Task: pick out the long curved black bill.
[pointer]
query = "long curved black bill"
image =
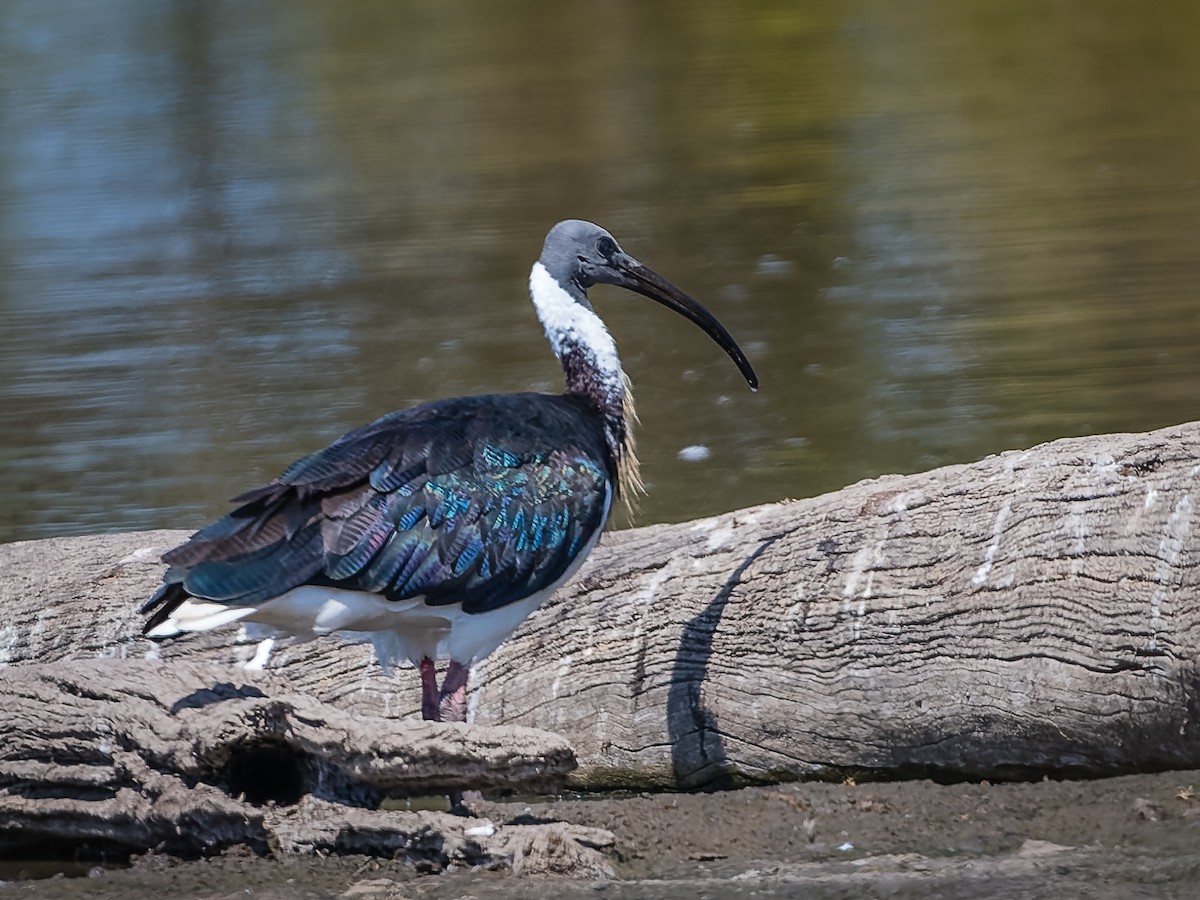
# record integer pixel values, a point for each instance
(650, 284)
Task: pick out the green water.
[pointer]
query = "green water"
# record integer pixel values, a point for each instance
(230, 231)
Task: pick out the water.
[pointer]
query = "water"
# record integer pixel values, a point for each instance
(229, 232)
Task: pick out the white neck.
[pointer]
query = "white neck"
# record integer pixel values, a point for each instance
(589, 359)
(572, 328)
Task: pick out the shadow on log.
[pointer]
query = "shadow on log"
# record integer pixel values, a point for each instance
(1033, 613)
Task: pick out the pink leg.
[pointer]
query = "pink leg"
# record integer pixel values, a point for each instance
(453, 697)
(430, 698)
(453, 708)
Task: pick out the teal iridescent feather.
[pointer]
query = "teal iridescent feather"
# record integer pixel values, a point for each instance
(476, 500)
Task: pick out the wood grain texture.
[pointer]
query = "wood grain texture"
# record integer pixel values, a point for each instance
(121, 756)
(1034, 612)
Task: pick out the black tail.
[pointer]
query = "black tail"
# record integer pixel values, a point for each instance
(166, 600)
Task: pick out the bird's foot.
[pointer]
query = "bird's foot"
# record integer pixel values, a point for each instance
(453, 707)
(452, 700)
(465, 803)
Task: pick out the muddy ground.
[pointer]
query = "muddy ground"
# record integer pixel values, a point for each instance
(1135, 836)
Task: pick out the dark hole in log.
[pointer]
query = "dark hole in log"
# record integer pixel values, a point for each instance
(266, 772)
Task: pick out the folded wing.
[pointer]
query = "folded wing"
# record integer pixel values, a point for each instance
(478, 500)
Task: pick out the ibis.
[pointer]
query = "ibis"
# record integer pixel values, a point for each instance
(436, 530)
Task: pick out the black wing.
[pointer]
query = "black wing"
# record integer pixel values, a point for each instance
(478, 500)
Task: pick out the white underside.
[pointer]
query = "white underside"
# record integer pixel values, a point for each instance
(400, 630)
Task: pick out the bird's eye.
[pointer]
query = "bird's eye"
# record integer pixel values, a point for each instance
(605, 246)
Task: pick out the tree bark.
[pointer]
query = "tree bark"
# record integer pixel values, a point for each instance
(134, 755)
(1032, 613)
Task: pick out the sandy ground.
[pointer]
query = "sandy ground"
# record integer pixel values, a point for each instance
(1136, 836)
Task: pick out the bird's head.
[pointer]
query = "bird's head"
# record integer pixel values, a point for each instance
(579, 254)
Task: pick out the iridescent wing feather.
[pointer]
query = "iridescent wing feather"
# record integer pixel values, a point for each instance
(478, 500)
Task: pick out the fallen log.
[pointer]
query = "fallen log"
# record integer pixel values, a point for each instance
(1032, 613)
(106, 756)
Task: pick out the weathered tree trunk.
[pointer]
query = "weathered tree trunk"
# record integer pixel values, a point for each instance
(132, 755)
(1033, 612)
